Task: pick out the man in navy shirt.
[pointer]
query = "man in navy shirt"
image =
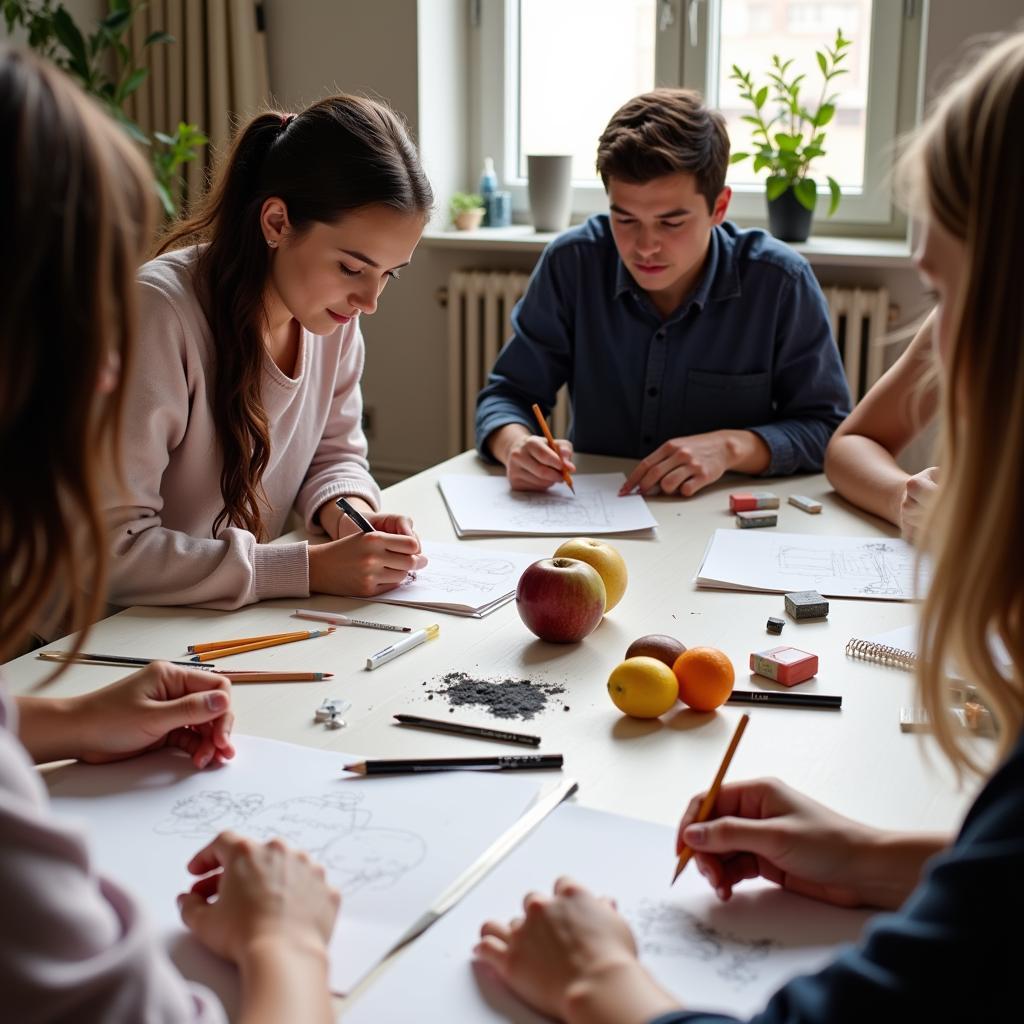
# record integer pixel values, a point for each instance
(685, 342)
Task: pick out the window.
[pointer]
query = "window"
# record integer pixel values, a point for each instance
(549, 74)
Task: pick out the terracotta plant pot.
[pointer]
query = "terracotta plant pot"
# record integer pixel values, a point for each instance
(468, 220)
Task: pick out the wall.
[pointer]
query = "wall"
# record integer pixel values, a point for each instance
(415, 54)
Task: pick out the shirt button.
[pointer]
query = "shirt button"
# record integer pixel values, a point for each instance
(652, 392)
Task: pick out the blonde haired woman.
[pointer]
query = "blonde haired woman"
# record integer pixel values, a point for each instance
(950, 948)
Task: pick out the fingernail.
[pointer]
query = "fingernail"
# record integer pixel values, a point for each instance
(696, 835)
(180, 899)
(205, 760)
(216, 700)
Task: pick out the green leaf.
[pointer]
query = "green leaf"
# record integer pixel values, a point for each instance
(806, 192)
(166, 201)
(134, 80)
(822, 63)
(812, 152)
(833, 187)
(117, 21)
(787, 143)
(776, 186)
(750, 119)
(71, 39)
(824, 115)
(158, 37)
(762, 95)
(737, 157)
(760, 163)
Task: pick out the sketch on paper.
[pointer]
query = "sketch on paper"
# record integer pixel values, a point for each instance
(584, 511)
(456, 573)
(871, 569)
(667, 930)
(332, 827)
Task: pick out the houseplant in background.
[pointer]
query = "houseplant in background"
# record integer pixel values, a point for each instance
(101, 62)
(467, 209)
(789, 136)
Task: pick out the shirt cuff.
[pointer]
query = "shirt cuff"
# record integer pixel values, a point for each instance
(345, 487)
(783, 461)
(495, 421)
(281, 570)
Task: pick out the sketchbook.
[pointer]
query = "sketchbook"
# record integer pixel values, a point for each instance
(461, 580)
(390, 845)
(485, 505)
(724, 957)
(881, 568)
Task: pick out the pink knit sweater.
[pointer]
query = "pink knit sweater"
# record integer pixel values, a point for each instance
(163, 548)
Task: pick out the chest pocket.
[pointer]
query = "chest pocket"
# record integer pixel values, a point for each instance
(719, 401)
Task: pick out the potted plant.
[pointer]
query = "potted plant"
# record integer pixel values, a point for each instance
(467, 210)
(791, 138)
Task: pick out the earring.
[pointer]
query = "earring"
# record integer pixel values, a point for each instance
(272, 243)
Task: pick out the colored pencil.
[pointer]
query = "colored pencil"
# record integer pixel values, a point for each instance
(774, 698)
(120, 660)
(224, 652)
(397, 766)
(218, 645)
(712, 794)
(274, 677)
(543, 423)
(462, 729)
(346, 620)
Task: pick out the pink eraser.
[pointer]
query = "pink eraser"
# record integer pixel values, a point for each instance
(786, 665)
(749, 501)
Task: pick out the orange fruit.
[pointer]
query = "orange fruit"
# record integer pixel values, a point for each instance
(643, 687)
(705, 677)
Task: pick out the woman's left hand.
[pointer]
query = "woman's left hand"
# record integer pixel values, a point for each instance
(162, 706)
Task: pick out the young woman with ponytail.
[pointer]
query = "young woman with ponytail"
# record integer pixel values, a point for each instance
(245, 400)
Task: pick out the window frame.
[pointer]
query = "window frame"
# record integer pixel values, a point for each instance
(683, 57)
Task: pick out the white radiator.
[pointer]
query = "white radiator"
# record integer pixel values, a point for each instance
(479, 323)
(860, 325)
(480, 307)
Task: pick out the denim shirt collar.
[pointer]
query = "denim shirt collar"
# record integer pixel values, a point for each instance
(721, 279)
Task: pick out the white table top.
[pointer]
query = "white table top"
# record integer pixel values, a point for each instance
(856, 760)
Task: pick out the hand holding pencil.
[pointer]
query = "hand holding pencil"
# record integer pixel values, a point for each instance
(533, 462)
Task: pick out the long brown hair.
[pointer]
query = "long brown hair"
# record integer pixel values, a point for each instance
(967, 163)
(342, 153)
(77, 204)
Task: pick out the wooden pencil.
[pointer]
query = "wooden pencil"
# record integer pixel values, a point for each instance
(274, 677)
(224, 652)
(218, 645)
(543, 424)
(712, 794)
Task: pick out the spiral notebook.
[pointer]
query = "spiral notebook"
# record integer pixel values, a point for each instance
(896, 648)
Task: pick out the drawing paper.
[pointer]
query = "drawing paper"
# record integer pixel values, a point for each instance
(391, 845)
(481, 505)
(461, 580)
(881, 568)
(727, 957)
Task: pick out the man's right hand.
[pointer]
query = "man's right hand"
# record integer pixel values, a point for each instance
(529, 463)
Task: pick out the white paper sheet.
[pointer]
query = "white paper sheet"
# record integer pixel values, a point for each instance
(391, 845)
(728, 957)
(462, 580)
(482, 505)
(881, 568)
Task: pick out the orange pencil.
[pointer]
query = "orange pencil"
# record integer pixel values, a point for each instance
(259, 645)
(218, 645)
(712, 794)
(554, 447)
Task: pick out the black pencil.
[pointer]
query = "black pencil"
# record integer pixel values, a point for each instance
(397, 766)
(483, 731)
(360, 520)
(776, 699)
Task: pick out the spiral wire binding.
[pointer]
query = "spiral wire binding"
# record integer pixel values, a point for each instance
(881, 654)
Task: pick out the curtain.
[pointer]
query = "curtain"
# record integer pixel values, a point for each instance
(215, 74)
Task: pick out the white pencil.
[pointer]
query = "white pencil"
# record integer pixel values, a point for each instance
(337, 619)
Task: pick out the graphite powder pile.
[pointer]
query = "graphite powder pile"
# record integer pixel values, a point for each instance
(504, 698)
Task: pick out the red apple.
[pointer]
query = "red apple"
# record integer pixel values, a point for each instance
(561, 599)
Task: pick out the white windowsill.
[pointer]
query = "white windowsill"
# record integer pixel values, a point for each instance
(821, 250)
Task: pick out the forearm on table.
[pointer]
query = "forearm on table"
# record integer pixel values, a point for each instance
(48, 728)
(617, 993)
(746, 452)
(891, 864)
(866, 474)
(283, 982)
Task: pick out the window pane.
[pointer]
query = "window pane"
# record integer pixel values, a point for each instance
(579, 61)
(753, 30)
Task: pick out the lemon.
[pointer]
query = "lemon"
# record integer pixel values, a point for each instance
(643, 687)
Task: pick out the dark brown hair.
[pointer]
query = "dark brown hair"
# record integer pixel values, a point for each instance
(342, 153)
(666, 131)
(76, 201)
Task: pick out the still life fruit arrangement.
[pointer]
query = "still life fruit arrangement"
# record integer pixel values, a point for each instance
(563, 599)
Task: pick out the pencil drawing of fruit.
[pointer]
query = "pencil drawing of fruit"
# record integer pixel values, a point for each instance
(561, 600)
